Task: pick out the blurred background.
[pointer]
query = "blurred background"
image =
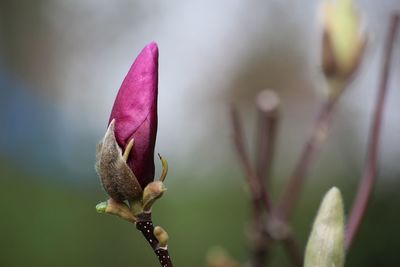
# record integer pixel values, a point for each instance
(61, 64)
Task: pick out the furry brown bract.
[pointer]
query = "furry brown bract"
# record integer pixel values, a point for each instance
(117, 178)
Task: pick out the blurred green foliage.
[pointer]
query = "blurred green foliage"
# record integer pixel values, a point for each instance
(54, 223)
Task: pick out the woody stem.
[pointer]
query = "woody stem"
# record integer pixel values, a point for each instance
(145, 225)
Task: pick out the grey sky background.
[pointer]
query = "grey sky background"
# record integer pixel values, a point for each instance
(71, 56)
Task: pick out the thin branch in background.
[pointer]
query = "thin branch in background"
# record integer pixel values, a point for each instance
(257, 254)
(370, 171)
(291, 194)
(261, 205)
(259, 195)
(267, 103)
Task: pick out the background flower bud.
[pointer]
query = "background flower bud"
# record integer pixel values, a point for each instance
(343, 40)
(325, 246)
(135, 113)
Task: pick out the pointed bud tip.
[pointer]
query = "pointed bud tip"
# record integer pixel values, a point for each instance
(153, 49)
(153, 46)
(334, 193)
(325, 246)
(332, 201)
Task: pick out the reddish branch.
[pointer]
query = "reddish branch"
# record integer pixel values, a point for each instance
(261, 203)
(371, 166)
(259, 194)
(291, 194)
(268, 113)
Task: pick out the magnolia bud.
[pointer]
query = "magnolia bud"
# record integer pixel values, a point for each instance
(343, 41)
(135, 113)
(325, 247)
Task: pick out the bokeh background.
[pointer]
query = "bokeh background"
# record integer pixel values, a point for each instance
(61, 64)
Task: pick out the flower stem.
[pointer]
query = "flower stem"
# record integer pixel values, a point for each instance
(370, 170)
(291, 194)
(145, 225)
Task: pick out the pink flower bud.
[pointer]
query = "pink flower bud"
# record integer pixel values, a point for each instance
(135, 113)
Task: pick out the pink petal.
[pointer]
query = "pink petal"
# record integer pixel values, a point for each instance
(135, 113)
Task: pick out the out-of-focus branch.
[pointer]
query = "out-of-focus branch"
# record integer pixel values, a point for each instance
(343, 45)
(267, 103)
(370, 171)
(261, 235)
(259, 194)
(291, 194)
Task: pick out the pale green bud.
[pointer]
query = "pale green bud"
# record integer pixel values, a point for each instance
(101, 207)
(325, 247)
(343, 41)
(116, 208)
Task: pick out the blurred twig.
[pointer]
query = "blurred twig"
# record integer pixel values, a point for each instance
(289, 197)
(256, 194)
(370, 170)
(267, 103)
(259, 193)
